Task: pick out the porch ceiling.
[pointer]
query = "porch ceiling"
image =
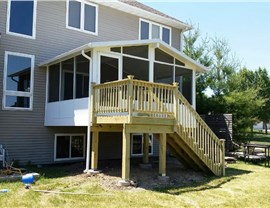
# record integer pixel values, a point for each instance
(190, 63)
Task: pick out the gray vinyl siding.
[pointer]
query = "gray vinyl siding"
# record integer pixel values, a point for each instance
(23, 132)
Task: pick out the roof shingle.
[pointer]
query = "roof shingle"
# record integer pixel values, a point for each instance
(149, 9)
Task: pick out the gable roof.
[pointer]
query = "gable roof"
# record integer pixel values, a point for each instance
(189, 62)
(144, 11)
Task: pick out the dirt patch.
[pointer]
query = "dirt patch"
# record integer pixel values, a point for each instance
(179, 175)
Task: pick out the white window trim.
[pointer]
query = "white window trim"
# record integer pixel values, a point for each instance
(81, 29)
(18, 93)
(111, 55)
(34, 22)
(160, 30)
(132, 154)
(70, 137)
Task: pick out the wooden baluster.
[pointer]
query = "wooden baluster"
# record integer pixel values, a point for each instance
(175, 102)
(130, 98)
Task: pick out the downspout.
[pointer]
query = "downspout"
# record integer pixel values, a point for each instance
(89, 115)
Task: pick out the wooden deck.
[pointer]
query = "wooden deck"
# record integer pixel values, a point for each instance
(134, 106)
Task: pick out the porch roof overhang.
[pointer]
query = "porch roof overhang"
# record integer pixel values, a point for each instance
(189, 62)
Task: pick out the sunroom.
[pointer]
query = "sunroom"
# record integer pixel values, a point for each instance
(71, 75)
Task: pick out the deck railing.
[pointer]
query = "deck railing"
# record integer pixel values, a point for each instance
(131, 98)
(199, 137)
(134, 98)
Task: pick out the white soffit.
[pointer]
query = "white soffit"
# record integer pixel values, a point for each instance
(190, 63)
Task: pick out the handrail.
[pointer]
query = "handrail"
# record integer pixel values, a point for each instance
(199, 136)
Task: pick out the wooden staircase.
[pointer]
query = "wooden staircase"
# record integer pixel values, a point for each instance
(159, 108)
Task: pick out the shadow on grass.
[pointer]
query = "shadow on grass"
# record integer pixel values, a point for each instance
(58, 170)
(209, 182)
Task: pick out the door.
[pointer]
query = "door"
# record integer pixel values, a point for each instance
(110, 68)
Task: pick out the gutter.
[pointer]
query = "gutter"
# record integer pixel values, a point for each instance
(89, 115)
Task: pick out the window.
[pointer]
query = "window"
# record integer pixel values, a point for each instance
(69, 79)
(69, 147)
(21, 19)
(18, 81)
(82, 16)
(150, 30)
(137, 144)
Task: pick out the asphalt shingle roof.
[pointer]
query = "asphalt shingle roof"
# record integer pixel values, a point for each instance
(149, 9)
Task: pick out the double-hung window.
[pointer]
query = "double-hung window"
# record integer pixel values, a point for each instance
(18, 81)
(69, 147)
(82, 16)
(21, 18)
(151, 30)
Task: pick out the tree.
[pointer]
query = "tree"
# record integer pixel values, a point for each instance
(263, 82)
(224, 65)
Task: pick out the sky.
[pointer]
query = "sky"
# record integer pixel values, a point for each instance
(244, 24)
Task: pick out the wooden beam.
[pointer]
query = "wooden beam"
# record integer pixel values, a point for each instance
(94, 156)
(145, 148)
(126, 155)
(155, 129)
(107, 128)
(162, 154)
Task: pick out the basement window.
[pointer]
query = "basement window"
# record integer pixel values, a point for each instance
(69, 147)
(137, 145)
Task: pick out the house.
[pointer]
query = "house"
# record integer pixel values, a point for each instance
(66, 95)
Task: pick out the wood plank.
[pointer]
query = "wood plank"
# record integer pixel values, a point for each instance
(145, 148)
(162, 154)
(94, 155)
(126, 155)
(107, 128)
(112, 119)
(155, 129)
(149, 120)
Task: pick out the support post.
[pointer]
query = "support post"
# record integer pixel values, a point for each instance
(222, 141)
(194, 89)
(162, 154)
(145, 148)
(94, 156)
(126, 155)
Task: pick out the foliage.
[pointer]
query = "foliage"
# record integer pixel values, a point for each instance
(244, 93)
(263, 82)
(243, 105)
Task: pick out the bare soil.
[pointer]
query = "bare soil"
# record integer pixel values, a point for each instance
(146, 178)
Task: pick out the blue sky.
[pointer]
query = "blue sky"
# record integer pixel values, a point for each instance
(245, 25)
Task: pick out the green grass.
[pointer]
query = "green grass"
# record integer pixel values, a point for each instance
(245, 185)
(260, 138)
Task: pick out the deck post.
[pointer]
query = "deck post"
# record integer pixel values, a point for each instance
(92, 104)
(126, 155)
(162, 154)
(130, 97)
(145, 148)
(94, 156)
(175, 100)
(222, 151)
